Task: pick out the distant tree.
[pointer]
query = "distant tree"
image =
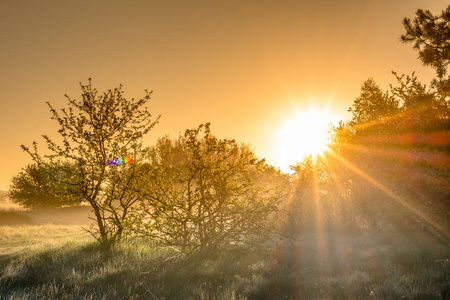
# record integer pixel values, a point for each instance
(95, 129)
(410, 92)
(203, 192)
(35, 187)
(328, 194)
(398, 150)
(372, 104)
(421, 108)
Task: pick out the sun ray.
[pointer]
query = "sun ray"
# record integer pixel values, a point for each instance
(318, 216)
(391, 194)
(415, 157)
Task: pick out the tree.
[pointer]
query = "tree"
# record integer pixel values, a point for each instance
(204, 193)
(35, 187)
(95, 129)
(328, 195)
(410, 92)
(391, 158)
(431, 37)
(399, 158)
(421, 109)
(372, 104)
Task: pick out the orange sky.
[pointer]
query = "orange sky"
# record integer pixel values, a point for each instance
(242, 65)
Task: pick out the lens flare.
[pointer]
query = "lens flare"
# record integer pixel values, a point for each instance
(119, 161)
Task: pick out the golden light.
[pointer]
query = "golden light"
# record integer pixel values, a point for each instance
(304, 133)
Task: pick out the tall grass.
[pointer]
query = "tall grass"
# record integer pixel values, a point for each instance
(326, 265)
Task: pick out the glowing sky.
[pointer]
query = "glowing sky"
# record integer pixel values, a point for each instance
(242, 65)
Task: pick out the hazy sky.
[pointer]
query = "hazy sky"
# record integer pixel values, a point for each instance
(242, 65)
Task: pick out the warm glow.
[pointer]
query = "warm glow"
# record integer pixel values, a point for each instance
(304, 133)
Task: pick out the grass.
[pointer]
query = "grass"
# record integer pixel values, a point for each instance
(16, 239)
(362, 266)
(23, 229)
(63, 262)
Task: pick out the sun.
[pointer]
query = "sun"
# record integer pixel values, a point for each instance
(304, 133)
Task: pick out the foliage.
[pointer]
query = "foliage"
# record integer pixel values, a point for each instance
(204, 192)
(93, 130)
(35, 187)
(386, 166)
(323, 193)
(401, 160)
(372, 104)
(431, 37)
(422, 109)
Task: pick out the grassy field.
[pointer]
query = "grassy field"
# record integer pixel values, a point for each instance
(64, 262)
(23, 229)
(50, 256)
(17, 239)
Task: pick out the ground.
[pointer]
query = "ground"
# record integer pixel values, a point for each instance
(62, 261)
